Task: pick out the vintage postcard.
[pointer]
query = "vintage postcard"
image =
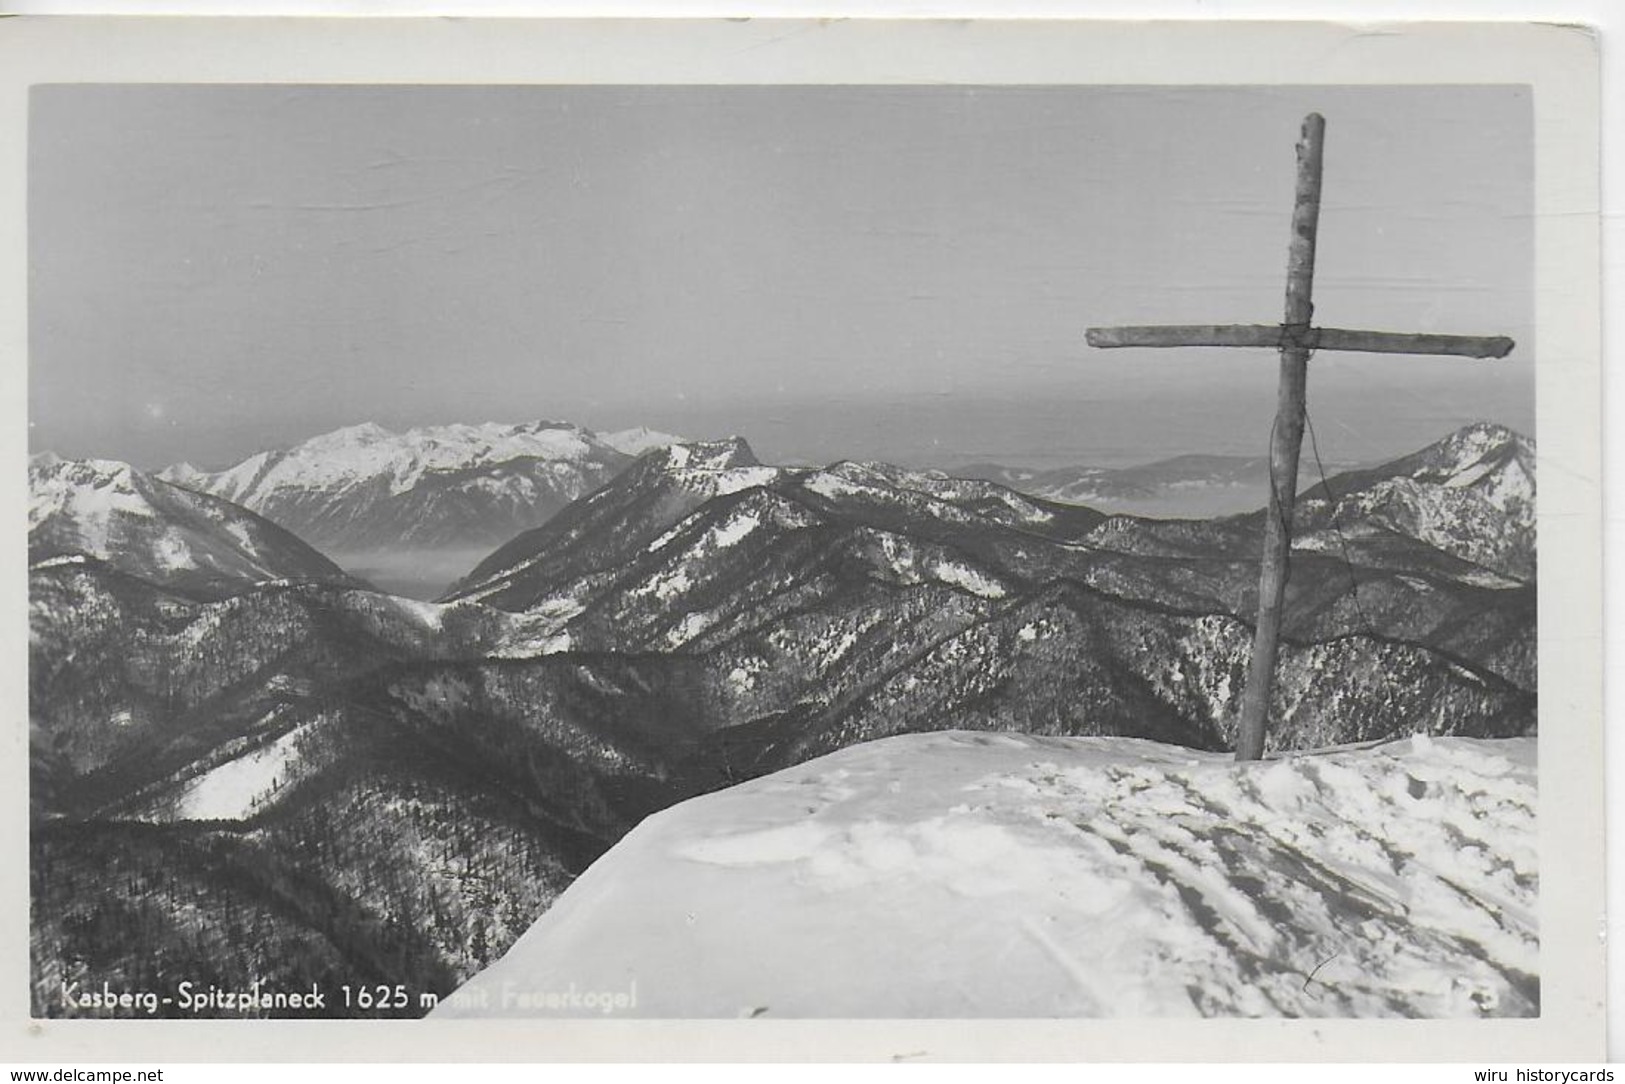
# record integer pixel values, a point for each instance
(1044, 540)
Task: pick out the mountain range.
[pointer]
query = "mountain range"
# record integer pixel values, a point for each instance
(285, 773)
(411, 510)
(859, 600)
(1189, 485)
(1184, 487)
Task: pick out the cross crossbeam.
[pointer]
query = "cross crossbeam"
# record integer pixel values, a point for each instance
(1279, 336)
(1296, 340)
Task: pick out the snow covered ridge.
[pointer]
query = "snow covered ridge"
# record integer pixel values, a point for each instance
(999, 875)
(359, 454)
(364, 489)
(89, 491)
(1471, 495)
(638, 440)
(165, 533)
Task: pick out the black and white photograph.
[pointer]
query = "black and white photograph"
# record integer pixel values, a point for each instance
(828, 550)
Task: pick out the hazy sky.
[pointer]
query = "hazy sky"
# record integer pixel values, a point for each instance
(895, 273)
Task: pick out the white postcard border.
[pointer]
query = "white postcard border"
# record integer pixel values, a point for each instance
(1560, 62)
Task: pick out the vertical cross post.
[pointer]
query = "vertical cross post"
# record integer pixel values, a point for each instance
(1286, 440)
(1296, 339)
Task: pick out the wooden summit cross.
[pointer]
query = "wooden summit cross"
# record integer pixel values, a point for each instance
(1296, 340)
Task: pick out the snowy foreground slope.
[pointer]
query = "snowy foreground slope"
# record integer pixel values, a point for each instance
(1000, 875)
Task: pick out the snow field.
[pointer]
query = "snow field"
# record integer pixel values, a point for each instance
(988, 875)
(235, 789)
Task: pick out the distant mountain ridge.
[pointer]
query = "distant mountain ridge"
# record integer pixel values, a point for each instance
(413, 509)
(1185, 486)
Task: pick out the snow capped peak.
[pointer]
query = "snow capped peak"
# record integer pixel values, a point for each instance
(86, 501)
(1494, 462)
(362, 431)
(1471, 444)
(179, 473)
(636, 441)
(934, 483)
(1490, 432)
(368, 454)
(1471, 495)
(710, 455)
(50, 475)
(368, 457)
(450, 489)
(868, 471)
(543, 424)
(959, 499)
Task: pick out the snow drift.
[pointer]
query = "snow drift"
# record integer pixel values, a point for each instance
(998, 875)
